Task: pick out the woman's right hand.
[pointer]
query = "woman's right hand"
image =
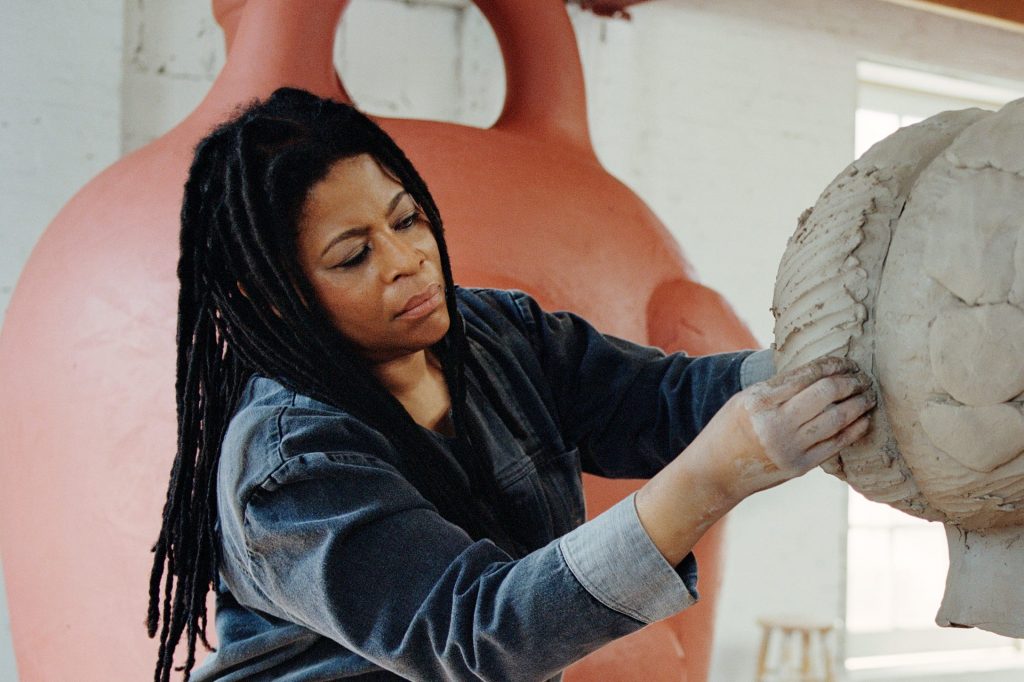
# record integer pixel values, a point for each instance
(768, 433)
(782, 428)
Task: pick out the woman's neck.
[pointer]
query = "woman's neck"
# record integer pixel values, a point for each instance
(417, 381)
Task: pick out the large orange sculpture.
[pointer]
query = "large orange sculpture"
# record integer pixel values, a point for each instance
(86, 355)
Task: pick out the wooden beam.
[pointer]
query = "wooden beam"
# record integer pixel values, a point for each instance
(1006, 14)
(1009, 10)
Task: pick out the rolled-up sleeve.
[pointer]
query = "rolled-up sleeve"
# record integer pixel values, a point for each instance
(618, 563)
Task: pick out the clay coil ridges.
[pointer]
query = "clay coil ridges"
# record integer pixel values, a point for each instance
(820, 296)
(827, 285)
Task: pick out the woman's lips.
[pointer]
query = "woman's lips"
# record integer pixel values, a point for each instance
(422, 304)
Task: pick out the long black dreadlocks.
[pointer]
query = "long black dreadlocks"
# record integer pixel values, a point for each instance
(243, 197)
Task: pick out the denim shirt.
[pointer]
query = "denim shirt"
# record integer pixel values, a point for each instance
(333, 565)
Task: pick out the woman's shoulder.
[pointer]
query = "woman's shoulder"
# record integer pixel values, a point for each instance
(276, 430)
(494, 310)
(477, 298)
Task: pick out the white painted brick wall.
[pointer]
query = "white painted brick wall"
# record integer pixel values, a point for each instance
(726, 116)
(396, 59)
(172, 53)
(60, 114)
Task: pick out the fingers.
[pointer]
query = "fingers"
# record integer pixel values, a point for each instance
(802, 417)
(813, 400)
(834, 418)
(827, 449)
(784, 386)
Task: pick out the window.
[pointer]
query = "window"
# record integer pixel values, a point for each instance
(896, 563)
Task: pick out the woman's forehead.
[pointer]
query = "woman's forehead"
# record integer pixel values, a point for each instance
(356, 188)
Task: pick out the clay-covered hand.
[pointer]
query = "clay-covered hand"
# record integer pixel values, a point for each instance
(768, 433)
(782, 428)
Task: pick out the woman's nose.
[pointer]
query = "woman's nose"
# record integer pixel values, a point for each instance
(398, 256)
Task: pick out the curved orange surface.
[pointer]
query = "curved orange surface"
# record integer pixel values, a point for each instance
(87, 350)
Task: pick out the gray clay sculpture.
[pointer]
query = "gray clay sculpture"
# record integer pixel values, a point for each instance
(912, 264)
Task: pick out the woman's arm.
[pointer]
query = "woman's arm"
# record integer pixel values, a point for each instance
(343, 545)
(630, 408)
(769, 433)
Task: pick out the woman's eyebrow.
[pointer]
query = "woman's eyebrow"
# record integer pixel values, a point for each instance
(395, 199)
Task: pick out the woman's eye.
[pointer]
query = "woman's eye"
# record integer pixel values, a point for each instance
(408, 221)
(355, 259)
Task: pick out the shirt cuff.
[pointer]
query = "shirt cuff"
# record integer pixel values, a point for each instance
(616, 561)
(757, 366)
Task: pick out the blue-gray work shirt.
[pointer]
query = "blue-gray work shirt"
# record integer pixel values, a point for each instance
(333, 565)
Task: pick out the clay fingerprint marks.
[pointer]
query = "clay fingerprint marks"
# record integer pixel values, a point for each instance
(975, 250)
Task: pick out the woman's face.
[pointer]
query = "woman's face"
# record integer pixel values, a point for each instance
(370, 256)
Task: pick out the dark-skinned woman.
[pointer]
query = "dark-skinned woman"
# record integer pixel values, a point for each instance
(378, 472)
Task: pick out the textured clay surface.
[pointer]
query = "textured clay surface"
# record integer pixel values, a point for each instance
(912, 264)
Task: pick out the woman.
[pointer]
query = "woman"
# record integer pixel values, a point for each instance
(379, 472)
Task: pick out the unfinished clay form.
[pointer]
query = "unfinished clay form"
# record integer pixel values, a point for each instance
(912, 264)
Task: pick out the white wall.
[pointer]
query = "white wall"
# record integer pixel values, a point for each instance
(60, 114)
(726, 116)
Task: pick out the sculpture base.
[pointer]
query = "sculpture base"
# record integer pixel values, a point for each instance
(984, 587)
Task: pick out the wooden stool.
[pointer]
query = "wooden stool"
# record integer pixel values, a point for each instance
(795, 650)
